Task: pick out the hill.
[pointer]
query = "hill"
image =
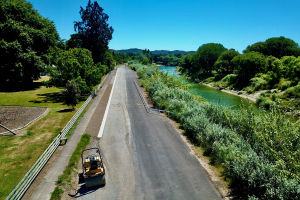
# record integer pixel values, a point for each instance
(164, 52)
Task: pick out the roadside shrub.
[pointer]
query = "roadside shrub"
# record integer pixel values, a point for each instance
(293, 91)
(258, 83)
(264, 102)
(229, 78)
(260, 152)
(284, 85)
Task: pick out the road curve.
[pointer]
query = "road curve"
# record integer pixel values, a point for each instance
(144, 156)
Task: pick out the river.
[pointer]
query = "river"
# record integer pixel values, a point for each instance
(213, 95)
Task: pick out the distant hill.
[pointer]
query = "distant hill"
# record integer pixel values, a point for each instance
(164, 52)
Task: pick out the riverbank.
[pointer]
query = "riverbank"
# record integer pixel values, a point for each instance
(251, 97)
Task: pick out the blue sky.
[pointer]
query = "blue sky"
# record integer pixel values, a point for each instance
(183, 24)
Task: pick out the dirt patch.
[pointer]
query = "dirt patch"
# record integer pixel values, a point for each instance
(18, 117)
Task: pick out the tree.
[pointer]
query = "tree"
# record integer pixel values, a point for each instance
(72, 94)
(145, 61)
(249, 64)
(224, 65)
(185, 64)
(274, 69)
(94, 30)
(76, 41)
(76, 64)
(205, 57)
(277, 47)
(25, 37)
(178, 55)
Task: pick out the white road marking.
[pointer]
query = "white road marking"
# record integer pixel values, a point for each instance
(106, 110)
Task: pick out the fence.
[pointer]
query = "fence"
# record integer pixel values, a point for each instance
(148, 109)
(24, 184)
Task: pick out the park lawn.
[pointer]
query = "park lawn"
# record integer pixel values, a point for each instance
(19, 153)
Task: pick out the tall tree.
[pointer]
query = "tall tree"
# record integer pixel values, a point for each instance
(249, 64)
(205, 57)
(224, 65)
(95, 33)
(25, 38)
(72, 94)
(277, 47)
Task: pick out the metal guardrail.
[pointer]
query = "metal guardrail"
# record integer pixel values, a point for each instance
(148, 109)
(24, 184)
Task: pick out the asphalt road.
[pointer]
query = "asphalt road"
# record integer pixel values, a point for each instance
(144, 156)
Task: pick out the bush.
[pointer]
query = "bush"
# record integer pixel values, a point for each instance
(76, 64)
(293, 91)
(285, 85)
(260, 153)
(258, 83)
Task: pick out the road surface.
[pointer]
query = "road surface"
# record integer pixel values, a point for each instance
(144, 156)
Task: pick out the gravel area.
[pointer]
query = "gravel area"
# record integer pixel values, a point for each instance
(16, 117)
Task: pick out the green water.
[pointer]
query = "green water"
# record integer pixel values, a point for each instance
(213, 95)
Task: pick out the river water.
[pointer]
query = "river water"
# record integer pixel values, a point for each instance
(213, 95)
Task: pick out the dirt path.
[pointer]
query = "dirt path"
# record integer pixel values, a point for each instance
(18, 117)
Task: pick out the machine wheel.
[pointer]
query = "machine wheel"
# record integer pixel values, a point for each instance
(95, 181)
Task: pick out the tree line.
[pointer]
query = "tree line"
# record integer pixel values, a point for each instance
(272, 64)
(30, 46)
(146, 57)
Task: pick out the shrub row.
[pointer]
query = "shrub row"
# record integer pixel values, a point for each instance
(259, 152)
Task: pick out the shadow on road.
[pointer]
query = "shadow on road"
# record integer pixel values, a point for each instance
(84, 191)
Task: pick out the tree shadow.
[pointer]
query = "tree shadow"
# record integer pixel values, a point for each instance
(53, 97)
(10, 87)
(66, 110)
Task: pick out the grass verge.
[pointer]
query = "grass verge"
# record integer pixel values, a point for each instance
(18, 154)
(66, 177)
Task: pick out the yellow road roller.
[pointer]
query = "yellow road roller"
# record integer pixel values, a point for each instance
(93, 168)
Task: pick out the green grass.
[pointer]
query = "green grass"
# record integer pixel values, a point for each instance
(65, 178)
(56, 194)
(18, 154)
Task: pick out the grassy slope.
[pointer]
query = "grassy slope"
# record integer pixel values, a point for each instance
(18, 154)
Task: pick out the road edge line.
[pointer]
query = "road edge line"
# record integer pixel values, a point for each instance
(107, 108)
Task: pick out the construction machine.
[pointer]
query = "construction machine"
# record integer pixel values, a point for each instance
(93, 168)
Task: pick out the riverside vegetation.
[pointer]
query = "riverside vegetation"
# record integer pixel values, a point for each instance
(259, 152)
(272, 67)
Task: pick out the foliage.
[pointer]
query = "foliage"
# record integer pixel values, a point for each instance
(72, 93)
(76, 64)
(94, 31)
(228, 80)
(121, 57)
(259, 152)
(205, 57)
(25, 37)
(293, 91)
(145, 61)
(185, 64)
(249, 64)
(292, 68)
(258, 83)
(224, 65)
(284, 84)
(56, 194)
(277, 47)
